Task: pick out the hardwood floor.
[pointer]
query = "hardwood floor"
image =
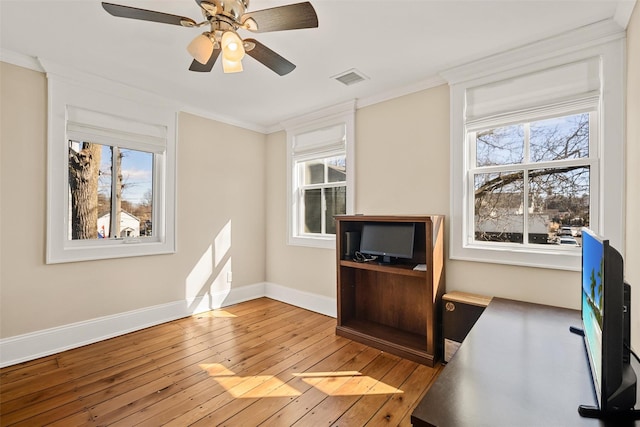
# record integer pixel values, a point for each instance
(261, 362)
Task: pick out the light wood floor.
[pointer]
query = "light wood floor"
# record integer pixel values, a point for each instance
(261, 362)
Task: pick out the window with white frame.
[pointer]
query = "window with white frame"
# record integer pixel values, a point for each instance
(322, 192)
(531, 181)
(111, 176)
(320, 175)
(536, 155)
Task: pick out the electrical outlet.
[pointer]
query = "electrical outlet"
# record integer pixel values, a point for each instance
(229, 277)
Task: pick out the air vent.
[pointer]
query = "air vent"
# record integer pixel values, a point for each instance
(350, 77)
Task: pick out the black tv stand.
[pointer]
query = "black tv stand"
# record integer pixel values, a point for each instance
(576, 330)
(620, 415)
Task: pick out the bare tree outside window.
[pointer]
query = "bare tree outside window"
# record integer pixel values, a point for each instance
(111, 191)
(84, 168)
(532, 179)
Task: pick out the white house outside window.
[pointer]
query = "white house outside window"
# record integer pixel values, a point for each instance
(111, 172)
(110, 191)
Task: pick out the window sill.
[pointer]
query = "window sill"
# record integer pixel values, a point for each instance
(556, 258)
(328, 242)
(120, 248)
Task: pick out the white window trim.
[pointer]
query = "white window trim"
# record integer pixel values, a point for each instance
(608, 45)
(68, 89)
(339, 114)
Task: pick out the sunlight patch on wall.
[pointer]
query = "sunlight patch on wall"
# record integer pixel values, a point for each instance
(208, 284)
(200, 274)
(220, 283)
(222, 243)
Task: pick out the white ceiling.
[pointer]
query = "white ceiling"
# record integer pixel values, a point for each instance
(401, 45)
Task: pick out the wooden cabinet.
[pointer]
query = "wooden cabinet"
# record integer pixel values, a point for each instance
(392, 306)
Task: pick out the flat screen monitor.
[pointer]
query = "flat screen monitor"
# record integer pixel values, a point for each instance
(388, 240)
(605, 308)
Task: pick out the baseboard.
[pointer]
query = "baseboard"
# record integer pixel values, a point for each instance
(42, 343)
(313, 302)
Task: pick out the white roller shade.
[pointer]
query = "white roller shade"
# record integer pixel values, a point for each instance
(577, 82)
(87, 125)
(318, 141)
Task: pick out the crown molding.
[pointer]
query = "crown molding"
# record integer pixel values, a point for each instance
(189, 109)
(312, 118)
(21, 60)
(552, 47)
(623, 12)
(425, 84)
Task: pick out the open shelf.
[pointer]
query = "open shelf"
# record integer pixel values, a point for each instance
(403, 269)
(392, 306)
(409, 345)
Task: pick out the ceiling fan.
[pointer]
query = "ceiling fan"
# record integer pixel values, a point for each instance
(225, 18)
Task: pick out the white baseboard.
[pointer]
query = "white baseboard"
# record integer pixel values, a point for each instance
(42, 343)
(314, 302)
(50, 341)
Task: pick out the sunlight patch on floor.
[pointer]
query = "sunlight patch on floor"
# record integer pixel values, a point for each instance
(220, 313)
(336, 383)
(327, 374)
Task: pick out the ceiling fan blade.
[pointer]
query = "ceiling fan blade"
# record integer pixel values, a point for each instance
(147, 15)
(269, 58)
(291, 17)
(205, 68)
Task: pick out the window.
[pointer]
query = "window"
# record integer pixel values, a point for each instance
(111, 175)
(322, 193)
(110, 192)
(537, 153)
(531, 180)
(320, 161)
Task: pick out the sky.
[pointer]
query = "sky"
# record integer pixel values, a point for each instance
(137, 173)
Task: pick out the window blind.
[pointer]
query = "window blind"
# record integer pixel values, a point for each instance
(321, 141)
(87, 125)
(575, 83)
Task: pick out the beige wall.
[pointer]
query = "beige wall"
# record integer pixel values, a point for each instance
(220, 182)
(632, 252)
(228, 178)
(301, 268)
(402, 167)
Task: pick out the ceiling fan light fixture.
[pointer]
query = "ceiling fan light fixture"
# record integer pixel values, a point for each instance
(231, 66)
(201, 48)
(232, 46)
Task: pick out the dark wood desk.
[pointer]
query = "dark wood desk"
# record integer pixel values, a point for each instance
(519, 366)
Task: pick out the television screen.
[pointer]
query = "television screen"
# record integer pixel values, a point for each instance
(389, 240)
(606, 307)
(593, 303)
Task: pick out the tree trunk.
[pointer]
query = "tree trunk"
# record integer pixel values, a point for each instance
(116, 192)
(84, 167)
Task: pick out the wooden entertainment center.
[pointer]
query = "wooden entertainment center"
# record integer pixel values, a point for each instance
(393, 307)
